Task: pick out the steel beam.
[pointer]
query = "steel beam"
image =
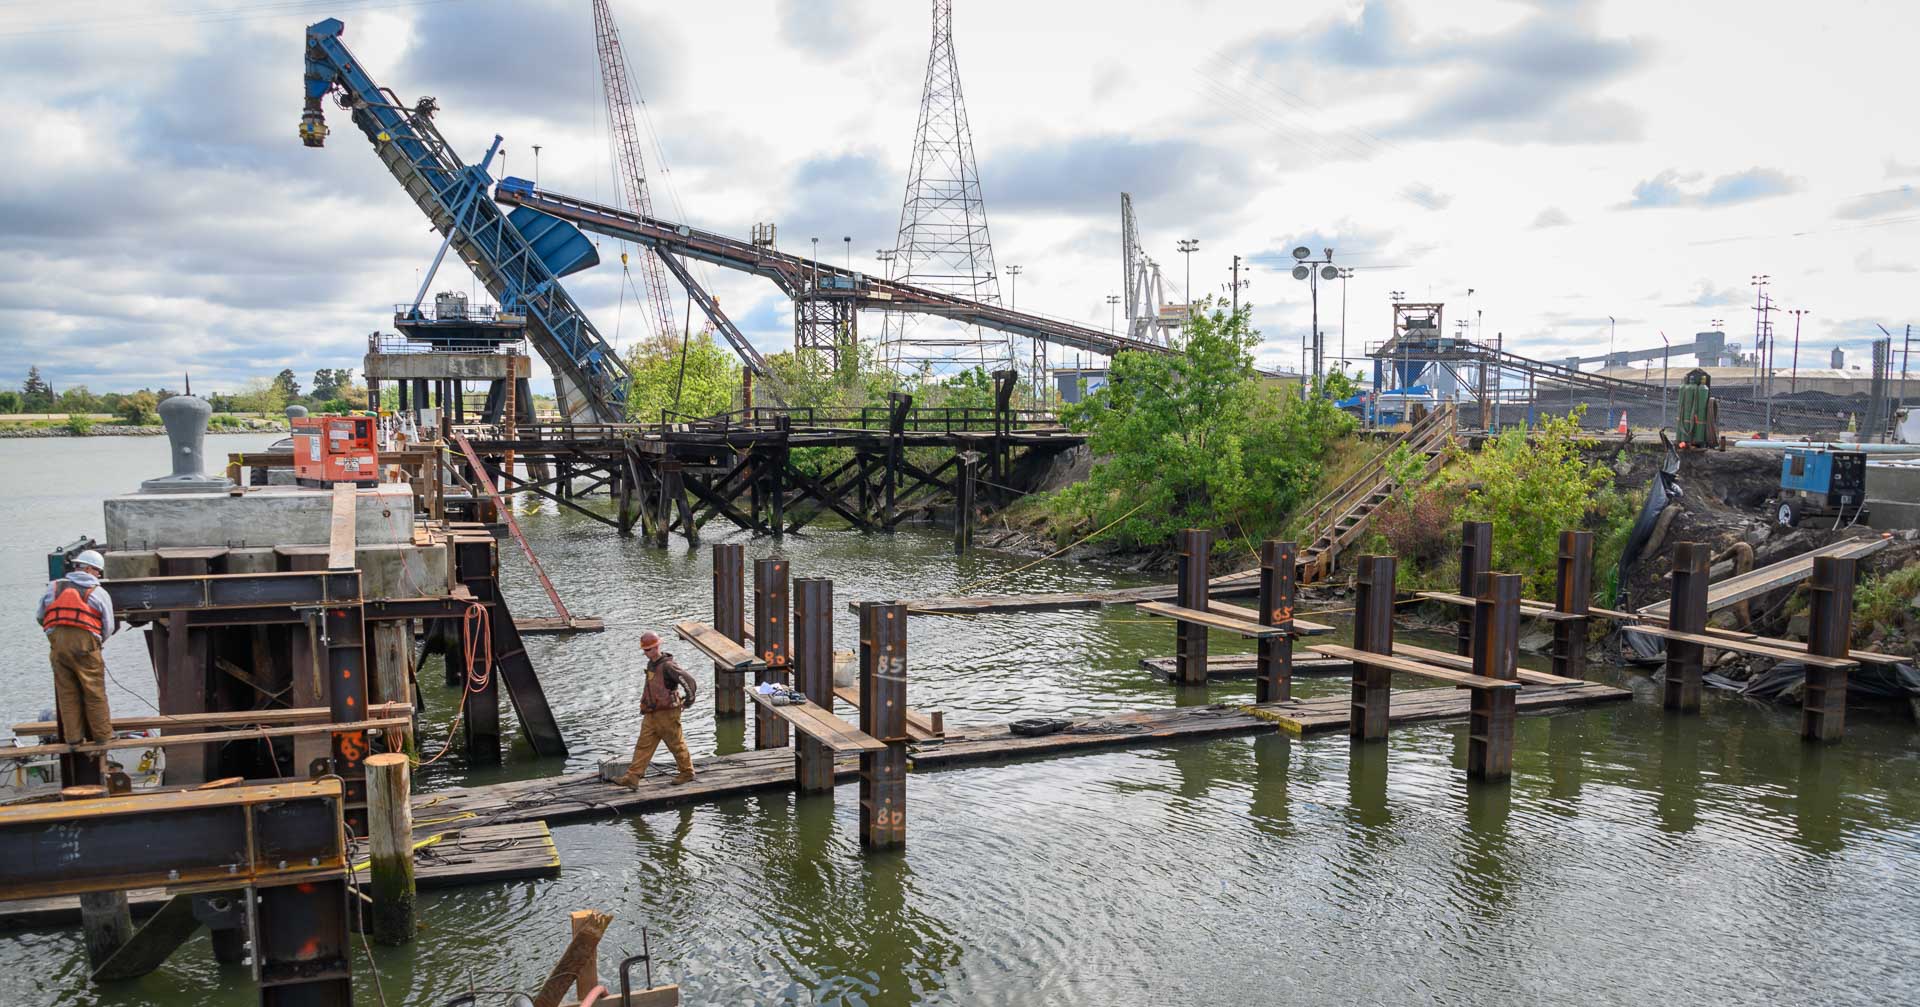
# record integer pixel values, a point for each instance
(813, 675)
(883, 714)
(1687, 613)
(1496, 635)
(1194, 546)
(1572, 594)
(1476, 558)
(1372, 632)
(729, 620)
(1279, 573)
(1823, 708)
(770, 642)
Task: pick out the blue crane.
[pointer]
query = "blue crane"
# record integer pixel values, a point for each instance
(519, 256)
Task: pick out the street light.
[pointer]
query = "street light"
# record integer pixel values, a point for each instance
(1793, 380)
(849, 241)
(1313, 271)
(1346, 273)
(1014, 271)
(1188, 246)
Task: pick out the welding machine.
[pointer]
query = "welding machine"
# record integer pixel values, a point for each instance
(335, 449)
(1815, 482)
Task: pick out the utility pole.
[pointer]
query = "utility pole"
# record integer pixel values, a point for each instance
(1793, 378)
(1346, 273)
(849, 240)
(536, 165)
(1014, 291)
(1609, 366)
(1113, 314)
(1760, 281)
(1236, 284)
(1666, 351)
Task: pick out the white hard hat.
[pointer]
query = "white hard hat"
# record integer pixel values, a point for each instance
(87, 557)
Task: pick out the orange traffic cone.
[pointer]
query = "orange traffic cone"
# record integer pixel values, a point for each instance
(1623, 422)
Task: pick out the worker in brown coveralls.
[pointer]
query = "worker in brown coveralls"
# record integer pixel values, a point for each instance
(77, 615)
(660, 706)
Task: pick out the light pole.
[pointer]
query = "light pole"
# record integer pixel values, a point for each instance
(816, 263)
(1314, 270)
(536, 164)
(1113, 314)
(1609, 366)
(1760, 282)
(1666, 351)
(849, 240)
(1014, 272)
(1188, 246)
(1237, 285)
(1346, 273)
(886, 257)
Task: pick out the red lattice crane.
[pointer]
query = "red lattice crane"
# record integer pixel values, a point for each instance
(625, 136)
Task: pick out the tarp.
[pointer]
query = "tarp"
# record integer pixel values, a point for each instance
(1783, 682)
(1664, 491)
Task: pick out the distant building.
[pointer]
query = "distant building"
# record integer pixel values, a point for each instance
(1839, 359)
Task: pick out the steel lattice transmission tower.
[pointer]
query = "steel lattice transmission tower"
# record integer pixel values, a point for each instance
(943, 241)
(625, 137)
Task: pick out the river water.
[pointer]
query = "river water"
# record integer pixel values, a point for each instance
(1635, 856)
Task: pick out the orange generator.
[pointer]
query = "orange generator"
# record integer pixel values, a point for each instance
(335, 449)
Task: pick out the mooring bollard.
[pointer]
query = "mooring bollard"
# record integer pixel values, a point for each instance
(104, 917)
(390, 843)
(1278, 575)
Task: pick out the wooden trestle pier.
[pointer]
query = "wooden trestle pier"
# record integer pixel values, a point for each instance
(755, 468)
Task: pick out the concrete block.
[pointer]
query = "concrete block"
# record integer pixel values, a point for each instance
(406, 571)
(262, 517)
(1887, 515)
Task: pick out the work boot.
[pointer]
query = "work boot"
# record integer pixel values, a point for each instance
(627, 780)
(682, 778)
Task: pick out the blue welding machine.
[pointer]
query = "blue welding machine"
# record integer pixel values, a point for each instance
(1818, 482)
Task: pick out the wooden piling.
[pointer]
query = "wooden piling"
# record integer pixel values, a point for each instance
(813, 675)
(729, 619)
(1823, 701)
(883, 714)
(1491, 713)
(1476, 558)
(1195, 546)
(1372, 632)
(1279, 572)
(105, 920)
(583, 952)
(770, 613)
(1687, 613)
(390, 844)
(1572, 594)
(963, 486)
(588, 973)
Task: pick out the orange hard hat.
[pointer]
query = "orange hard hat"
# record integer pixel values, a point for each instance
(649, 639)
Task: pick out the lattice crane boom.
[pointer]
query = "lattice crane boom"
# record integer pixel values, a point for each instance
(625, 136)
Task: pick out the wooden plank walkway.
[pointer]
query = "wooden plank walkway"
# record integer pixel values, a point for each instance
(1755, 583)
(1223, 586)
(474, 855)
(1245, 665)
(584, 796)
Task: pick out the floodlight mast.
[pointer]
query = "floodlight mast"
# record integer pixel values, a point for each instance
(1313, 360)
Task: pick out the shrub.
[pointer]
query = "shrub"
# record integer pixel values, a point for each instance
(1532, 489)
(79, 424)
(139, 408)
(1886, 600)
(1418, 526)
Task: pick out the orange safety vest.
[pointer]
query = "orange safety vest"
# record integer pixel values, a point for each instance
(70, 608)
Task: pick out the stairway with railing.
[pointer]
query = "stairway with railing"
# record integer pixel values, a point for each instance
(1342, 515)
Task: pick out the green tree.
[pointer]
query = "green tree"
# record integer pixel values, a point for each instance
(288, 385)
(702, 387)
(36, 395)
(1197, 439)
(1532, 489)
(138, 408)
(78, 400)
(10, 401)
(331, 383)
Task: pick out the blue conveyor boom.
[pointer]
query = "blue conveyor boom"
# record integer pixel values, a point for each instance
(588, 373)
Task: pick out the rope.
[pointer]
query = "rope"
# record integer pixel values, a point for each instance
(476, 642)
(1055, 554)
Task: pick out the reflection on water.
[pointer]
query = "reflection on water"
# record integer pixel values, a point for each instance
(1634, 855)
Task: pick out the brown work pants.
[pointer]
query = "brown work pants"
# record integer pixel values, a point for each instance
(656, 727)
(79, 685)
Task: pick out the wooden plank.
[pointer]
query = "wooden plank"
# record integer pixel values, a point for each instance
(1210, 620)
(1800, 646)
(809, 719)
(548, 624)
(1421, 705)
(657, 996)
(1773, 576)
(1420, 668)
(210, 737)
(919, 725)
(1529, 608)
(228, 718)
(714, 644)
(1461, 662)
(340, 537)
(1224, 666)
(1745, 647)
(1301, 627)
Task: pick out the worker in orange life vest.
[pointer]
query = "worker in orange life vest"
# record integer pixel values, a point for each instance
(77, 615)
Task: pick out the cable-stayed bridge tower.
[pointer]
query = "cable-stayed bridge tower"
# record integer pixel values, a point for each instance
(943, 242)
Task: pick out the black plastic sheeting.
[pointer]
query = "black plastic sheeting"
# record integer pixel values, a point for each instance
(1783, 682)
(1664, 492)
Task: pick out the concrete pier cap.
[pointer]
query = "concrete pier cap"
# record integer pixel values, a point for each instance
(186, 419)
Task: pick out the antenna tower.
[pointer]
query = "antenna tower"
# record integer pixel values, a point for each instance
(943, 242)
(625, 137)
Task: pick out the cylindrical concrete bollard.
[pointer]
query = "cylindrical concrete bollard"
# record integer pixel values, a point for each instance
(390, 841)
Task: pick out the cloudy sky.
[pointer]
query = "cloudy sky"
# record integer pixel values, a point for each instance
(1566, 161)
